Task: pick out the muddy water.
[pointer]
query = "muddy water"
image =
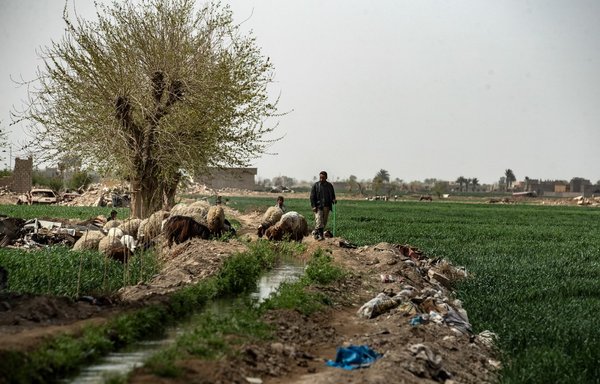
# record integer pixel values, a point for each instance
(121, 363)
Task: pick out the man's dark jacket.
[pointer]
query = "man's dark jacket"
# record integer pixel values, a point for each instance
(322, 195)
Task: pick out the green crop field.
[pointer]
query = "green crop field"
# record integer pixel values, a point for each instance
(535, 273)
(535, 270)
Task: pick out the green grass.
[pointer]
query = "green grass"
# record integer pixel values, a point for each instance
(59, 212)
(535, 273)
(61, 271)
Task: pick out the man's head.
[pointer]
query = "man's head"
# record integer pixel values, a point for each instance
(280, 200)
(113, 214)
(322, 176)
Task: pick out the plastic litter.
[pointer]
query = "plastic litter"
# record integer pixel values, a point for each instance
(378, 305)
(353, 357)
(419, 319)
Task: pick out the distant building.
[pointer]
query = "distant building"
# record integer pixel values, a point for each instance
(579, 184)
(219, 178)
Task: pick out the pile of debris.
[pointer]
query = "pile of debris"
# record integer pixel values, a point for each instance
(100, 195)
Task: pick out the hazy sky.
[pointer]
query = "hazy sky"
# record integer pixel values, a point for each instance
(421, 88)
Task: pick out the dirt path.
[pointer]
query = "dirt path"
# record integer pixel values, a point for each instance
(428, 352)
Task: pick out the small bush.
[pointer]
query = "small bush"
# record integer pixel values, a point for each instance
(320, 269)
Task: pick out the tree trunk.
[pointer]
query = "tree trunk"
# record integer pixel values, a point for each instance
(146, 197)
(169, 189)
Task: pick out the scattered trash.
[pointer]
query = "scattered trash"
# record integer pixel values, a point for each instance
(353, 357)
(458, 319)
(346, 244)
(387, 278)
(427, 363)
(419, 319)
(378, 305)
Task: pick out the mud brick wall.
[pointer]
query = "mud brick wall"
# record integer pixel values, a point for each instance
(22, 175)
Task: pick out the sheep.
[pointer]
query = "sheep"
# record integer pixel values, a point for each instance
(108, 242)
(291, 224)
(88, 241)
(215, 220)
(152, 226)
(181, 228)
(115, 232)
(425, 197)
(111, 224)
(130, 227)
(118, 252)
(129, 242)
(198, 211)
(270, 217)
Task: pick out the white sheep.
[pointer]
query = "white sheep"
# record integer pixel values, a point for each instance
(115, 232)
(129, 242)
(270, 217)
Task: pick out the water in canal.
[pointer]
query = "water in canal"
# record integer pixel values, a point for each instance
(123, 362)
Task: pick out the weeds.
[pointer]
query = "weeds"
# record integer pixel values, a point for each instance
(60, 271)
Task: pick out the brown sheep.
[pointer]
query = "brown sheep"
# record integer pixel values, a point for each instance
(182, 228)
(292, 225)
(271, 216)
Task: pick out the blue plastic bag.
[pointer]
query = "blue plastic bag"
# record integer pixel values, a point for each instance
(353, 357)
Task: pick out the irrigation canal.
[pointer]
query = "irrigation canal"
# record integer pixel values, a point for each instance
(123, 362)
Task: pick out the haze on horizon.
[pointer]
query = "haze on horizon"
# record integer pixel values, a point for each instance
(422, 89)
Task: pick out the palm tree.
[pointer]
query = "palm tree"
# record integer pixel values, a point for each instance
(461, 180)
(474, 182)
(510, 178)
(380, 178)
(383, 175)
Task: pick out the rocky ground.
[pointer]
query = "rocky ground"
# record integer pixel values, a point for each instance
(435, 348)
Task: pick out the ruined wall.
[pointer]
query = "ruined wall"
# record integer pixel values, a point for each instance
(242, 178)
(22, 175)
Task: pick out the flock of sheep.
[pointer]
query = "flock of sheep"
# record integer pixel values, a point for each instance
(119, 239)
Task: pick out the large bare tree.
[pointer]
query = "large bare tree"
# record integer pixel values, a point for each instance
(151, 88)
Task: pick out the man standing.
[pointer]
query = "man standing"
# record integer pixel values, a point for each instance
(322, 198)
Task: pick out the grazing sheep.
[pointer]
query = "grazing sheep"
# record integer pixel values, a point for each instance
(270, 217)
(291, 224)
(152, 226)
(108, 242)
(181, 228)
(88, 241)
(426, 198)
(215, 220)
(131, 227)
(118, 252)
(129, 242)
(197, 211)
(115, 232)
(111, 224)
